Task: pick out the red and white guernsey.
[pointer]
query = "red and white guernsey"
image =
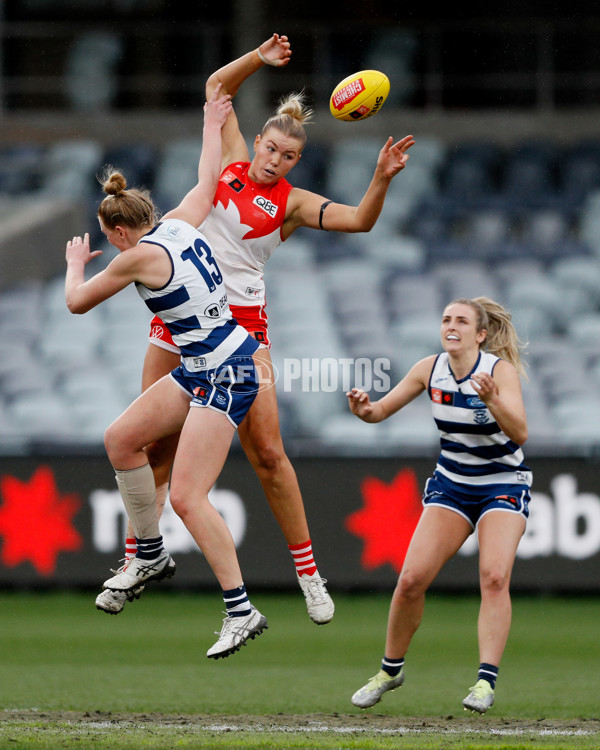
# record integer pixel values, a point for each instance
(244, 228)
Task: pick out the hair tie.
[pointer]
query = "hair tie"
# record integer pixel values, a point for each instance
(262, 58)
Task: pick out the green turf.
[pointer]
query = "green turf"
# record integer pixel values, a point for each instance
(58, 653)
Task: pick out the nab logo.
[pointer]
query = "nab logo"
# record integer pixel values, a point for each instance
(266, 205)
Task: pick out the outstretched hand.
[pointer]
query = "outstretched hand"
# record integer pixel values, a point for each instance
(359, 403)
(393, 156)
(275, 51)
(79, 249)
(218, 107)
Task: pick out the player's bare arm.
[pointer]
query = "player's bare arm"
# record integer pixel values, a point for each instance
(304, 207)
(413, 384)
(276, 51)
(502, 395)
(145, 263)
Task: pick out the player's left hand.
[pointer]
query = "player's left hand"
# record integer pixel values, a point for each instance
(79, 249)
(485, 386)
(393, 156)
(276, 50)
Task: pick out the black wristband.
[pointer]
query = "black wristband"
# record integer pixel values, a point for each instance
(323, 207)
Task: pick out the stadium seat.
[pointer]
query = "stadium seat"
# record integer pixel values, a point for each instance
(176, 171)
(465, 278)
(579, 273)
(69, 168)
(410, 294)
(20, 168)
(137, 161)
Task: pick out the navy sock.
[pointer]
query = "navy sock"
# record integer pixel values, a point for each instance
(149, 549)
(237, 602)
(488, 672)
(392, 666)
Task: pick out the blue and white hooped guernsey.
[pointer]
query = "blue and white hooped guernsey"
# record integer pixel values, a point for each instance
(193, 303)
(474, 450)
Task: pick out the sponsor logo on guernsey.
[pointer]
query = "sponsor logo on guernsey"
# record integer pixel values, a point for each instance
(221, 399)
(233, 181)
(156, 332)
(200, 392)
(506, 500)
(476, 401)
(348, 93)
(212, 311)
(252, 292)
(442, 397)
(266, 205)
(173, 231)
(199, 362)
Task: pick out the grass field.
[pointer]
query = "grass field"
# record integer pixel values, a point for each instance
(71, 676)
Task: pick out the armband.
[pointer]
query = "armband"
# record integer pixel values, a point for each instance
(323, 207)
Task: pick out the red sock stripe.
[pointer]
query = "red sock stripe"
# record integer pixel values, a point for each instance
(130, 547)
(303, 558)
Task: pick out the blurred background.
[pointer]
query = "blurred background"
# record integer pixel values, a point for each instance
(501, 197)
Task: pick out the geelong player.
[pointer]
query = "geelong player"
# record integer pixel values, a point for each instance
(480, 482)
(255, 209)
(205, 397)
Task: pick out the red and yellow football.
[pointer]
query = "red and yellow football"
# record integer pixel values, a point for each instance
(359, 96)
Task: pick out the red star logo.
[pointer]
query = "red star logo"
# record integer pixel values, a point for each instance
(36, 522)
(387, 520)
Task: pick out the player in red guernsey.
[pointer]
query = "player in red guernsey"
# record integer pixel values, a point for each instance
(254, 210)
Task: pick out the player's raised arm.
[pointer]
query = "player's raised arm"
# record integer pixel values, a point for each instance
(276, 52)
(197, 203)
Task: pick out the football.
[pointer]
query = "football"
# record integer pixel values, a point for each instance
(359, 96)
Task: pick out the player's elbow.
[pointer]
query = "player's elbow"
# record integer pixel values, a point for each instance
(77, 307)
(520, 435)
(211, 84)
(360, 224)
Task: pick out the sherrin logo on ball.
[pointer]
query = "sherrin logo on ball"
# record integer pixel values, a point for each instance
(359, 96)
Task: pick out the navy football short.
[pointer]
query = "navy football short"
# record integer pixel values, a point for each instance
(475, 502)
(230, 388)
